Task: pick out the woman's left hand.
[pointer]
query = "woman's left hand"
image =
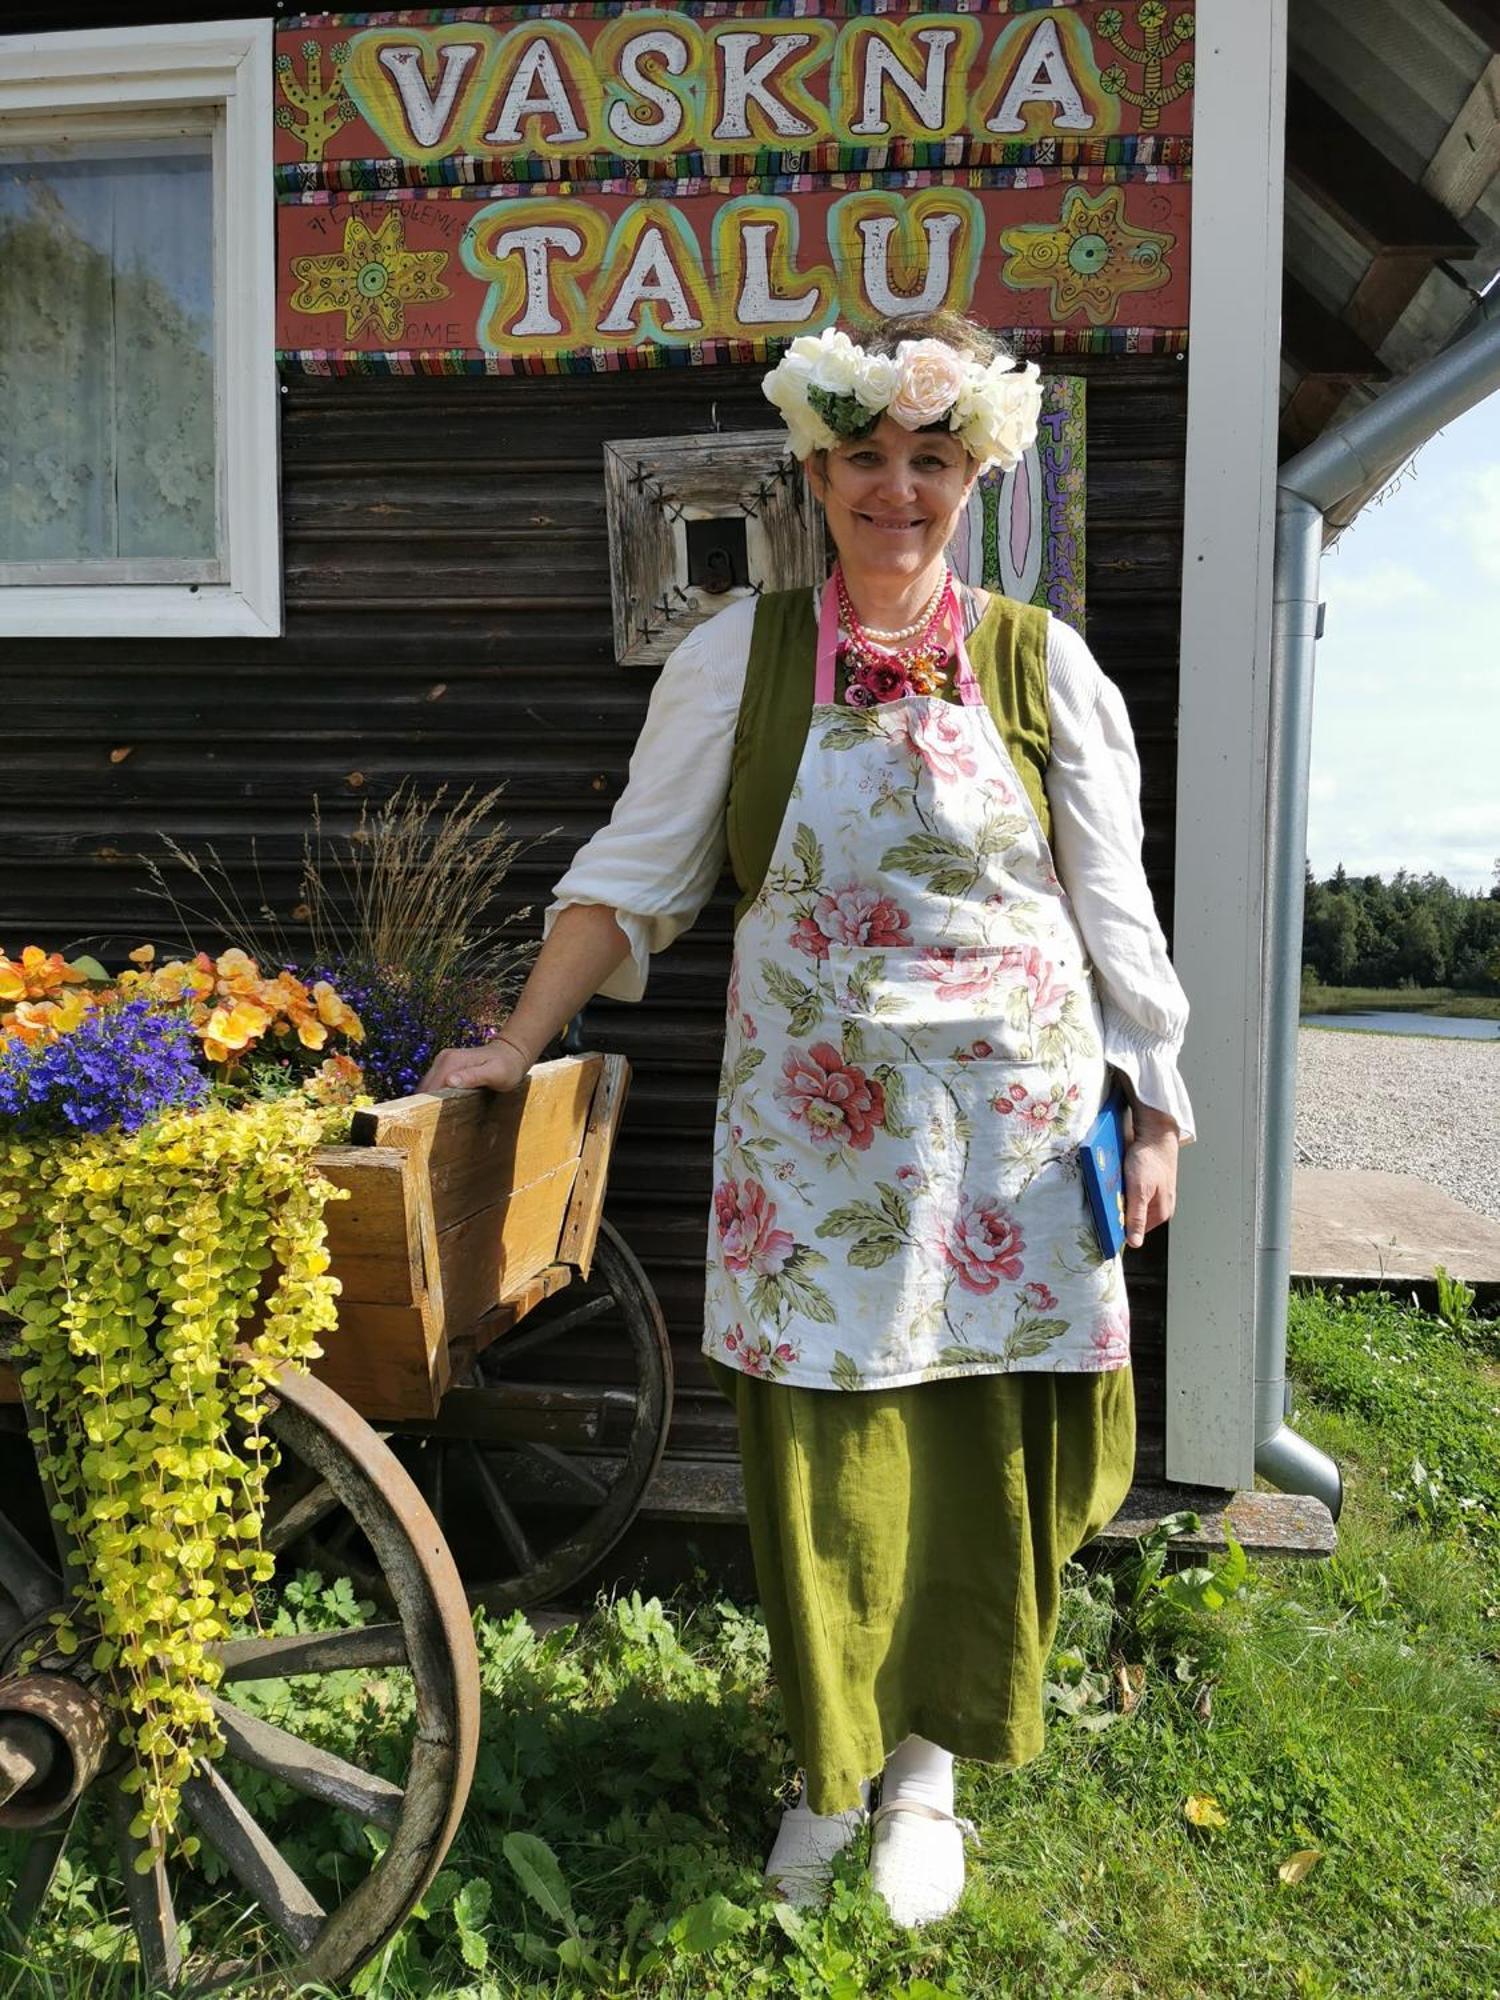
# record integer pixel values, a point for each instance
(1150, 1173)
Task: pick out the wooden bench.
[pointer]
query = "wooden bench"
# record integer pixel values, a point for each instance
(711, 1490)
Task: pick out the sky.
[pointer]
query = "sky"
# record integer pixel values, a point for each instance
(1406, 719)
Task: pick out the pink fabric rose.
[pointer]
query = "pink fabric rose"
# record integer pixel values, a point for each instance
(1039, 1295)
(983, 1244)
(837, 1103)
(1109, 1344)
(929, 377)
(809, 936)
(757, 1356)
(960, 972)
(942, 740)
(851, 915)
(1046, 994)
(747, 1229)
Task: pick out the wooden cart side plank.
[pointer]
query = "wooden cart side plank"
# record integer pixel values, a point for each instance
(485, 1146)
(412, 1125)
(490, 1256)
(386, 1361)
(515, 1141)
(468, 1343)
(376, 1252)
(580, 1231)
(518, 1300)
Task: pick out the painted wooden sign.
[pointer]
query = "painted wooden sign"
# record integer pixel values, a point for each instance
(601, 184)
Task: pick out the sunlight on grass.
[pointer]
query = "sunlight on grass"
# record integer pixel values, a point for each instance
(1334, 1724)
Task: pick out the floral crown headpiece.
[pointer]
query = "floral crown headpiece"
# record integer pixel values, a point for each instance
(829, 390)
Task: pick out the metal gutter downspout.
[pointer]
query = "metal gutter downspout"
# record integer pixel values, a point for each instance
(1355, 453)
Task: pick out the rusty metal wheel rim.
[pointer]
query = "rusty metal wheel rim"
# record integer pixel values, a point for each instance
(431, 1636)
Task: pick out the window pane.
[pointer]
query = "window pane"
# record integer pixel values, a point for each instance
(107, 351)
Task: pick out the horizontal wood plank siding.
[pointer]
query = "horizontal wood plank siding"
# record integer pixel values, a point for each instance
(448, 617)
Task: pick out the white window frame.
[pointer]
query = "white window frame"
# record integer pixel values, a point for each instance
(105, 81)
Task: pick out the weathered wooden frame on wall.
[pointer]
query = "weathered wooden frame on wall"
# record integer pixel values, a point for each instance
(654, 486)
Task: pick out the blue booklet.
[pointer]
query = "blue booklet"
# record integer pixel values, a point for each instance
(1101, 1161)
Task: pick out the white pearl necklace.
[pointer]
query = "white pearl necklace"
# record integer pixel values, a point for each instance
(918, 624)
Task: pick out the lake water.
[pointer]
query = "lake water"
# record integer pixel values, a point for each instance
(1394, 1023)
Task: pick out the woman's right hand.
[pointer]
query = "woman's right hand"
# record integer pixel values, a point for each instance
(496, 1066)
(585, 946)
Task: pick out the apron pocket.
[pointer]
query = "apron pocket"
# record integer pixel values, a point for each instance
(966, 1005)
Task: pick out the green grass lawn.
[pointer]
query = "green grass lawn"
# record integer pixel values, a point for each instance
(1345, 1713)
(1401, 1000)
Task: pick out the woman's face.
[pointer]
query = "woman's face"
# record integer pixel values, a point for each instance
(893, 498)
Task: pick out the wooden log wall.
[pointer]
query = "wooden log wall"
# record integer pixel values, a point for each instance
(448, 617)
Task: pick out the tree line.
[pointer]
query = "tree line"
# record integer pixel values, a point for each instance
(1415, 930)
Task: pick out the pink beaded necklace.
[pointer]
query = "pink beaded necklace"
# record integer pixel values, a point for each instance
(874, 672)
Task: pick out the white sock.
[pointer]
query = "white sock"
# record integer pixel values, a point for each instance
(801, 1798)
(919, 1772)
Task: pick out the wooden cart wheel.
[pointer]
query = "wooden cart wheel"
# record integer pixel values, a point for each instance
(431, 1636)
(535, 1467)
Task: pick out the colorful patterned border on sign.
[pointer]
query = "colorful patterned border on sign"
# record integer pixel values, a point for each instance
(453, 189)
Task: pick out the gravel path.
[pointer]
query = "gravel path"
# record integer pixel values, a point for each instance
(1403, 1104)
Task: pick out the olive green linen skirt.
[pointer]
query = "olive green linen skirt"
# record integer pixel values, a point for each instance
(908, 1544)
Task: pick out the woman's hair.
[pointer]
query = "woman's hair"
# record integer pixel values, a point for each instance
(965, 336)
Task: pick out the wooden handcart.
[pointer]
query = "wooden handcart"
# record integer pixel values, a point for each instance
(481, 1428)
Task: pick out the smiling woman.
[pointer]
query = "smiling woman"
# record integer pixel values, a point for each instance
(892, 495)
(926, 1345)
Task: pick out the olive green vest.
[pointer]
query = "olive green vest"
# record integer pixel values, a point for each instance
(1008, 652)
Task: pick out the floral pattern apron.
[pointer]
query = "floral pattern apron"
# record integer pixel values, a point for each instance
(912, 1054)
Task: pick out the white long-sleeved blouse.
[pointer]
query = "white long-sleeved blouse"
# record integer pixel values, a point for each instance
(657, 860)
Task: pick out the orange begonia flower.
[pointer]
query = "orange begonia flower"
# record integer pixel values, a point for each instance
(36, 975)
(337, 1013)
(339, 1080)
(34, 1021)
(230, 1030)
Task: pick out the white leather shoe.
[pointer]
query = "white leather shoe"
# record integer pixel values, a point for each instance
(917, 1860)
(800, 1865)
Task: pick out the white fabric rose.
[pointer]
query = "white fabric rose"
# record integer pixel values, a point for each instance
(786, 386)
(876, 382)
(996, 415)
(930, 379)
(839, 363)
(805, 351)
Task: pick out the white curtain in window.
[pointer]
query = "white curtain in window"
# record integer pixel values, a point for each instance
(107, 447)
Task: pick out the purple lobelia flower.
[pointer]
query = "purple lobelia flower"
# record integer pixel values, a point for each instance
(407, 1020)
(121, 1066)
